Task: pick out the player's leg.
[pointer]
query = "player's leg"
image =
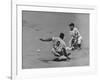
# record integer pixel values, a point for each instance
(65, 53)
(59, 55)
(70, 44)
(73, 44)
(79, 42)
(55, 52)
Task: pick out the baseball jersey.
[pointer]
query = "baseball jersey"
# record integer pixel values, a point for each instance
(58, 43)
(75, 32)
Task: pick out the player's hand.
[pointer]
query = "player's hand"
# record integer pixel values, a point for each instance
(41, 39)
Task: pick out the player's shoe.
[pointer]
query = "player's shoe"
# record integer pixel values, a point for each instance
(61, 58)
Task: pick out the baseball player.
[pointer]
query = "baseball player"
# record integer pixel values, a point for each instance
(59, 47)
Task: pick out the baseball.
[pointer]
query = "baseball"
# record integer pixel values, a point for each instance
(38, 50)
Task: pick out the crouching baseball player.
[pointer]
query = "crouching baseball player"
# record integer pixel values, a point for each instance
(59, 47)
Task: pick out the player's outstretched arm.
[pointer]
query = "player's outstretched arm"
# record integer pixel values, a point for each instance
(49, 39)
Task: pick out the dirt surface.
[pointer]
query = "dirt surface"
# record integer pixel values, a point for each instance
(43, 60)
